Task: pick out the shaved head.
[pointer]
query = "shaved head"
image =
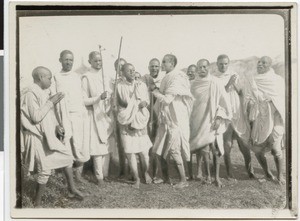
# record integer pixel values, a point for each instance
(264, 64)
(40, 71)
(65, 52)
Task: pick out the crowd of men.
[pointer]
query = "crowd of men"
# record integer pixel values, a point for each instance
(151, 119)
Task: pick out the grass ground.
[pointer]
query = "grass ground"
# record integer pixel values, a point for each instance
(244, 193)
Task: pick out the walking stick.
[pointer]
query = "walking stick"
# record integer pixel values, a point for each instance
(102, 73)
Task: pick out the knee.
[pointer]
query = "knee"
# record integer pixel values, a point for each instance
(43, 176)
(276, 153)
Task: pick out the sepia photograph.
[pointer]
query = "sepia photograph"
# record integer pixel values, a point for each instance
(140, 110)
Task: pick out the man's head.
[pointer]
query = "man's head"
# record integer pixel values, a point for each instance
(154, 66)
(128, 72)
(202, 67)
(137, 76)
(42, 76)
(95, 60)
(122, 62)
(66, 59)
(264, 64)
(169, 62)
(223, 63)
(191, 71)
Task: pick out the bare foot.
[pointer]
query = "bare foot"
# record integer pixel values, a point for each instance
(252, 176)
(136, 185)
(76, 194)
(148, 179)
(181, 185)
(157, 180)
(219, 184)
(280, 181)
(270, 177)
(100, 182)
(207, 180)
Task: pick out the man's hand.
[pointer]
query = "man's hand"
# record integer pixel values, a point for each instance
(104, 95)
(231, 81)
(152, 87)
(217, 123)
(56, 97)
(142, 104)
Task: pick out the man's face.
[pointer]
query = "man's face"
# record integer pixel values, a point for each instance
(191, 72)
(96, 62)
(223, 64)
(137, 76)
(202, 68)
(167, 65)
(45, 78)
(263, 65)
(67, 62)
(129, 73)
(154, 67)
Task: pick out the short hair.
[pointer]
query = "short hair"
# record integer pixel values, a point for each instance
(267, 58)
(192, 65)
(154, 59)
(121, 59)
(172, 58)
(203, 60)
(223, 56)
(37, 72)
(93, 54)
(126, 65)
(65, 52)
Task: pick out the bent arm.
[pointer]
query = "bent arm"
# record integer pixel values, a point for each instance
(166, 99)
(37, 113)
(86, 96)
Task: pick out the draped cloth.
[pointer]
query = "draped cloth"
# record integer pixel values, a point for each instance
(100, 118)
(210, 102)
(266, 92)
(72, 113)
(173, 108)
(133, 120)
(235, 102)
(40, 142)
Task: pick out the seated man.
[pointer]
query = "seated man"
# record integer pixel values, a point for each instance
(42, 148)
(209, 117)
(266, 106)
(133, 117)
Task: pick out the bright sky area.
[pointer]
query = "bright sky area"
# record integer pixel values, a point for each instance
(189, 37)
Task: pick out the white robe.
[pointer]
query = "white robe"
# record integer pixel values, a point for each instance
(38, 120)
(235, 102)
(100, 118)
(210, 102)
(133, 120)
(173, 107)
(267, 93)
(72, 113)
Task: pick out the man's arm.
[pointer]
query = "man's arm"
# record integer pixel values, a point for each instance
(167, 99)
(37, 113)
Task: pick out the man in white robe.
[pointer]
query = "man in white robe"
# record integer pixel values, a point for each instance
(210, 116)
(173, 107)
(154, 77)
(42, 149)
(265, 101)
(100, 121)
(72, 111)
(133, 117)
(239, 127)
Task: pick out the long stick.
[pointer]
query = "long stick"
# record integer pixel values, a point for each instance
(118, 67)
(102, 71)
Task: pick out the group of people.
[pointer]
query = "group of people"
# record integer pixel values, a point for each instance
(150, 120)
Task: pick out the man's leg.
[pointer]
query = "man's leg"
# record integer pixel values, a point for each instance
(165, 170)
(71, 185)
(144, 161)
(98, 162)
(199, 158)
(105, 165)
(190, 167)
(216, 159)
(264, 164)
(78, 167)
(227, 136)
(180, 167)
(42, 179)
(205, 153)
(134, 168)
(247, 157)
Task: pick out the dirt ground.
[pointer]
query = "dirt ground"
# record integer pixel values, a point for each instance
(118, 193)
